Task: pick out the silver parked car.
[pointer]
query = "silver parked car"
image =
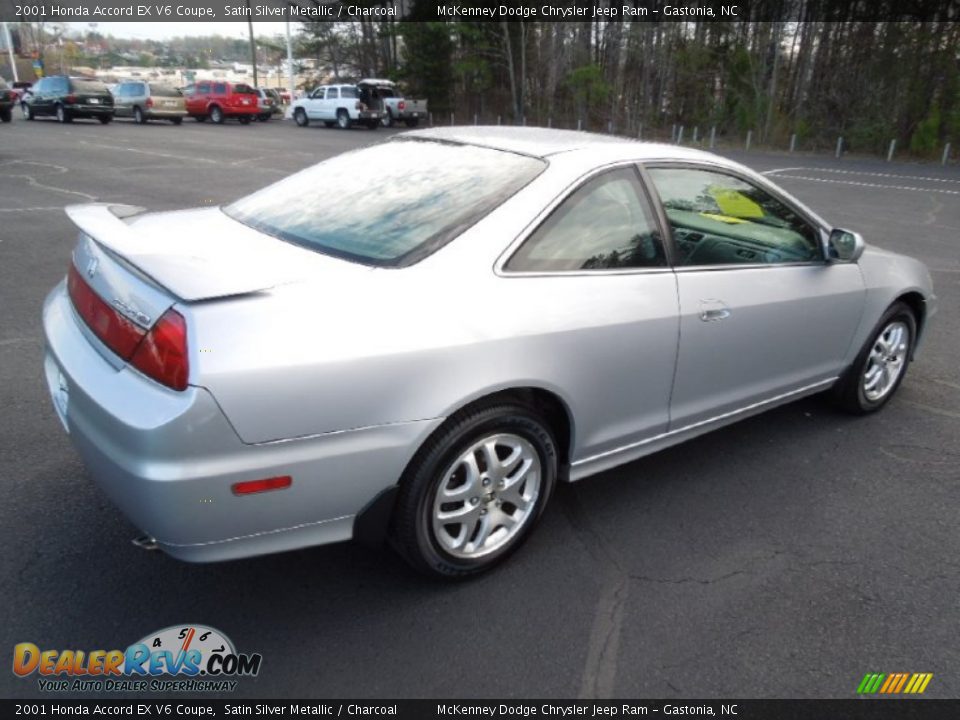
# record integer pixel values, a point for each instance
(423, 352)
(144, 101)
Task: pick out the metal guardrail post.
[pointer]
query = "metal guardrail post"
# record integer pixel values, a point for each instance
(793, 142)
(713, 136)
(749, 138)
(946, 154)
(892, 149)
(839, 147)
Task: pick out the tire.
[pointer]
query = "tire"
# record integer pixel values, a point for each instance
(873, 378)
(343, 120)
(300, 117)
(6, 115)
(138, 117)
(412, 122)
(329, 123)
(105, 119)
(244, 119)
(27, 111)
(387, 119)
(216, 115)
(373, 124)
(63, 115)
(176, 121)
(428, 543)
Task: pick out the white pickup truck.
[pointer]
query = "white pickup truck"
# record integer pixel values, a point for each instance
(340, 105)
(396, 108)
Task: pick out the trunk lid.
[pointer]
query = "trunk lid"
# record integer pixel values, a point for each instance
(188, 255)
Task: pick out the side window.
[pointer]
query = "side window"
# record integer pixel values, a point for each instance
(203, 88)
(189, 90)
(348, 92)
(62, 85)
(719, 219)
(605, 224)
(333, 93)
(219, 88)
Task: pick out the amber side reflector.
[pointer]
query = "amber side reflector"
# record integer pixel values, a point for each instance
(258, 486)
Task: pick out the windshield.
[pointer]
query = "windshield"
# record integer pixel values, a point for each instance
(391, 204)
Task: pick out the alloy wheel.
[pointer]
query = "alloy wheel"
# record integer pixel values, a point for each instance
(486, 496)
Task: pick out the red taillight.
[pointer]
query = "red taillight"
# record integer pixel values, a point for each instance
(115, 331)
(258, 486)
(401, 105)
(70, 99)
(160, 354)
(149, 102)
(163, 353)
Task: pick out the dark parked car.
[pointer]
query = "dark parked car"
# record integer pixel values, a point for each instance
(7, 98)
(67, 98)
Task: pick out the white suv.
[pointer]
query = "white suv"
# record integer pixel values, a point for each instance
(341, 105)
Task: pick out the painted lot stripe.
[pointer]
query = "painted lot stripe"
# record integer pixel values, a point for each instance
(876, 174)
(866, 184)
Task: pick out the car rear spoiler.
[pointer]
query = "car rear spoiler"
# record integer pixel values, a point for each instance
(208, 270)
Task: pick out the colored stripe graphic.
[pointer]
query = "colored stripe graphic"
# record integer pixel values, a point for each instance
(894, 683)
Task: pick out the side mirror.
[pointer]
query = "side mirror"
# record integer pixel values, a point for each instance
(844, 246)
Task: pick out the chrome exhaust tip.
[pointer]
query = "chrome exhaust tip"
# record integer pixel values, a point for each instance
(145, 542)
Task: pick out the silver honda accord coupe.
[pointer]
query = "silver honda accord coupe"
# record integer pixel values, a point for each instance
(417, 340)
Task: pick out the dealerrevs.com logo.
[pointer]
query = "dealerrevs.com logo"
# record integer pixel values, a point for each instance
(184, 658)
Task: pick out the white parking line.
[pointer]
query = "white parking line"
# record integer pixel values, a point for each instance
(153, 153)
(33, 182)
(925, 178)
(866, 184)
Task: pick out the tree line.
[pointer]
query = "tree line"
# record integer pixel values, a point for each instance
(869, 81)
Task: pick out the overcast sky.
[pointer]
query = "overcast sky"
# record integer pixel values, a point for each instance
(163, 30)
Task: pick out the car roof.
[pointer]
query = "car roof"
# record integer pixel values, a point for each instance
(544, 142)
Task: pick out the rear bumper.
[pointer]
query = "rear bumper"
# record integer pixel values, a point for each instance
(237, 110)
(90, 110)
(168, 459)
(166, 114)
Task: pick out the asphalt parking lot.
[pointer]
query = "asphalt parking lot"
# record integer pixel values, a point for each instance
(784, 556)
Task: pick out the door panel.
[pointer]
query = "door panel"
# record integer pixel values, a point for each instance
(606, 303)
(762, 314)
(750, 334)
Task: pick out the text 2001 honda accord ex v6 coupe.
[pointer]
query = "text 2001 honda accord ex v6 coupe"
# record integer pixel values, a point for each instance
(419, 338)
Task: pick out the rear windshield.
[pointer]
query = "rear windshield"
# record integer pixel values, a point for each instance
(390, 204)
(242, 89)
(164, 91)
(89, 86)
